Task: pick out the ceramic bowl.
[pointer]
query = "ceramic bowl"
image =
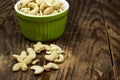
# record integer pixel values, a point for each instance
(42, 28)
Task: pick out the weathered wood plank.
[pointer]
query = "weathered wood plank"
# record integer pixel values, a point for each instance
(96, 43)
(5, 8)
(84, 41)
(111, 11)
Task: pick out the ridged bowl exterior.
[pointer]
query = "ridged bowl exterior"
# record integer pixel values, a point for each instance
(46, 31)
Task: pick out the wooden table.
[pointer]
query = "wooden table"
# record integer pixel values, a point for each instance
(91, 42)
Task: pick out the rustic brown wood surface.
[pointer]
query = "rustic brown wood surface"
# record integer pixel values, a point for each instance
(91, 42)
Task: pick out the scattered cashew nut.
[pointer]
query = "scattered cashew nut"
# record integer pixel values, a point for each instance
(38, 69)
(38, 47)
(24, 59)
(56, 48)
(59, 59)
(35, 61)
(27, 60)
(23, 54)
(50, 65)
(31, 53)
(51, 57)
(19, 66)
(17, 57)
(53, 53)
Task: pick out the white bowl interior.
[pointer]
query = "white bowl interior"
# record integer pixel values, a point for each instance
(66, 6)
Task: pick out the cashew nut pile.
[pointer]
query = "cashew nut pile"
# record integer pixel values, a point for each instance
(40, 7)
(54, 55)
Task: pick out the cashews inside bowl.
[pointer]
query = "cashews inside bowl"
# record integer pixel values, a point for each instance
(33, 8)
(24, 2)
(39, 2)
(25, 10)
(41, 7)
(48, 10)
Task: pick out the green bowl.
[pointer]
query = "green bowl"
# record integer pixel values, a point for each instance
(42, 28)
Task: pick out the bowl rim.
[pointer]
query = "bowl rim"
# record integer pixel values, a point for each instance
(34, 16)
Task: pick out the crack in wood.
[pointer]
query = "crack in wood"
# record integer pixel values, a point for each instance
(109, 43)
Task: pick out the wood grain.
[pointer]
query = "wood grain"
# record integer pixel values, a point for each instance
(85, 42)
(5, 8)
(111, 11)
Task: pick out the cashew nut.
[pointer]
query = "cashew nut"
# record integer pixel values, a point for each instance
(48, 11)
(50, 65)
(24, 58)
(19, 6)
(39, 2)
(24, 2)
(23, 54)
(35, 61)
(60, 9)
(53, 53)
(25, 10)
(17, 57)
(51, 1)
(54, 12)
(57, 4)
(19, 66)
(31, 53)
(33, 8)
(55, 48)
(27, 60)
(39, 47)
(48, 2)
(51, 57)
(43, 6)
(38, 69)
(59, 59)
(48, 52)
(41, 13)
